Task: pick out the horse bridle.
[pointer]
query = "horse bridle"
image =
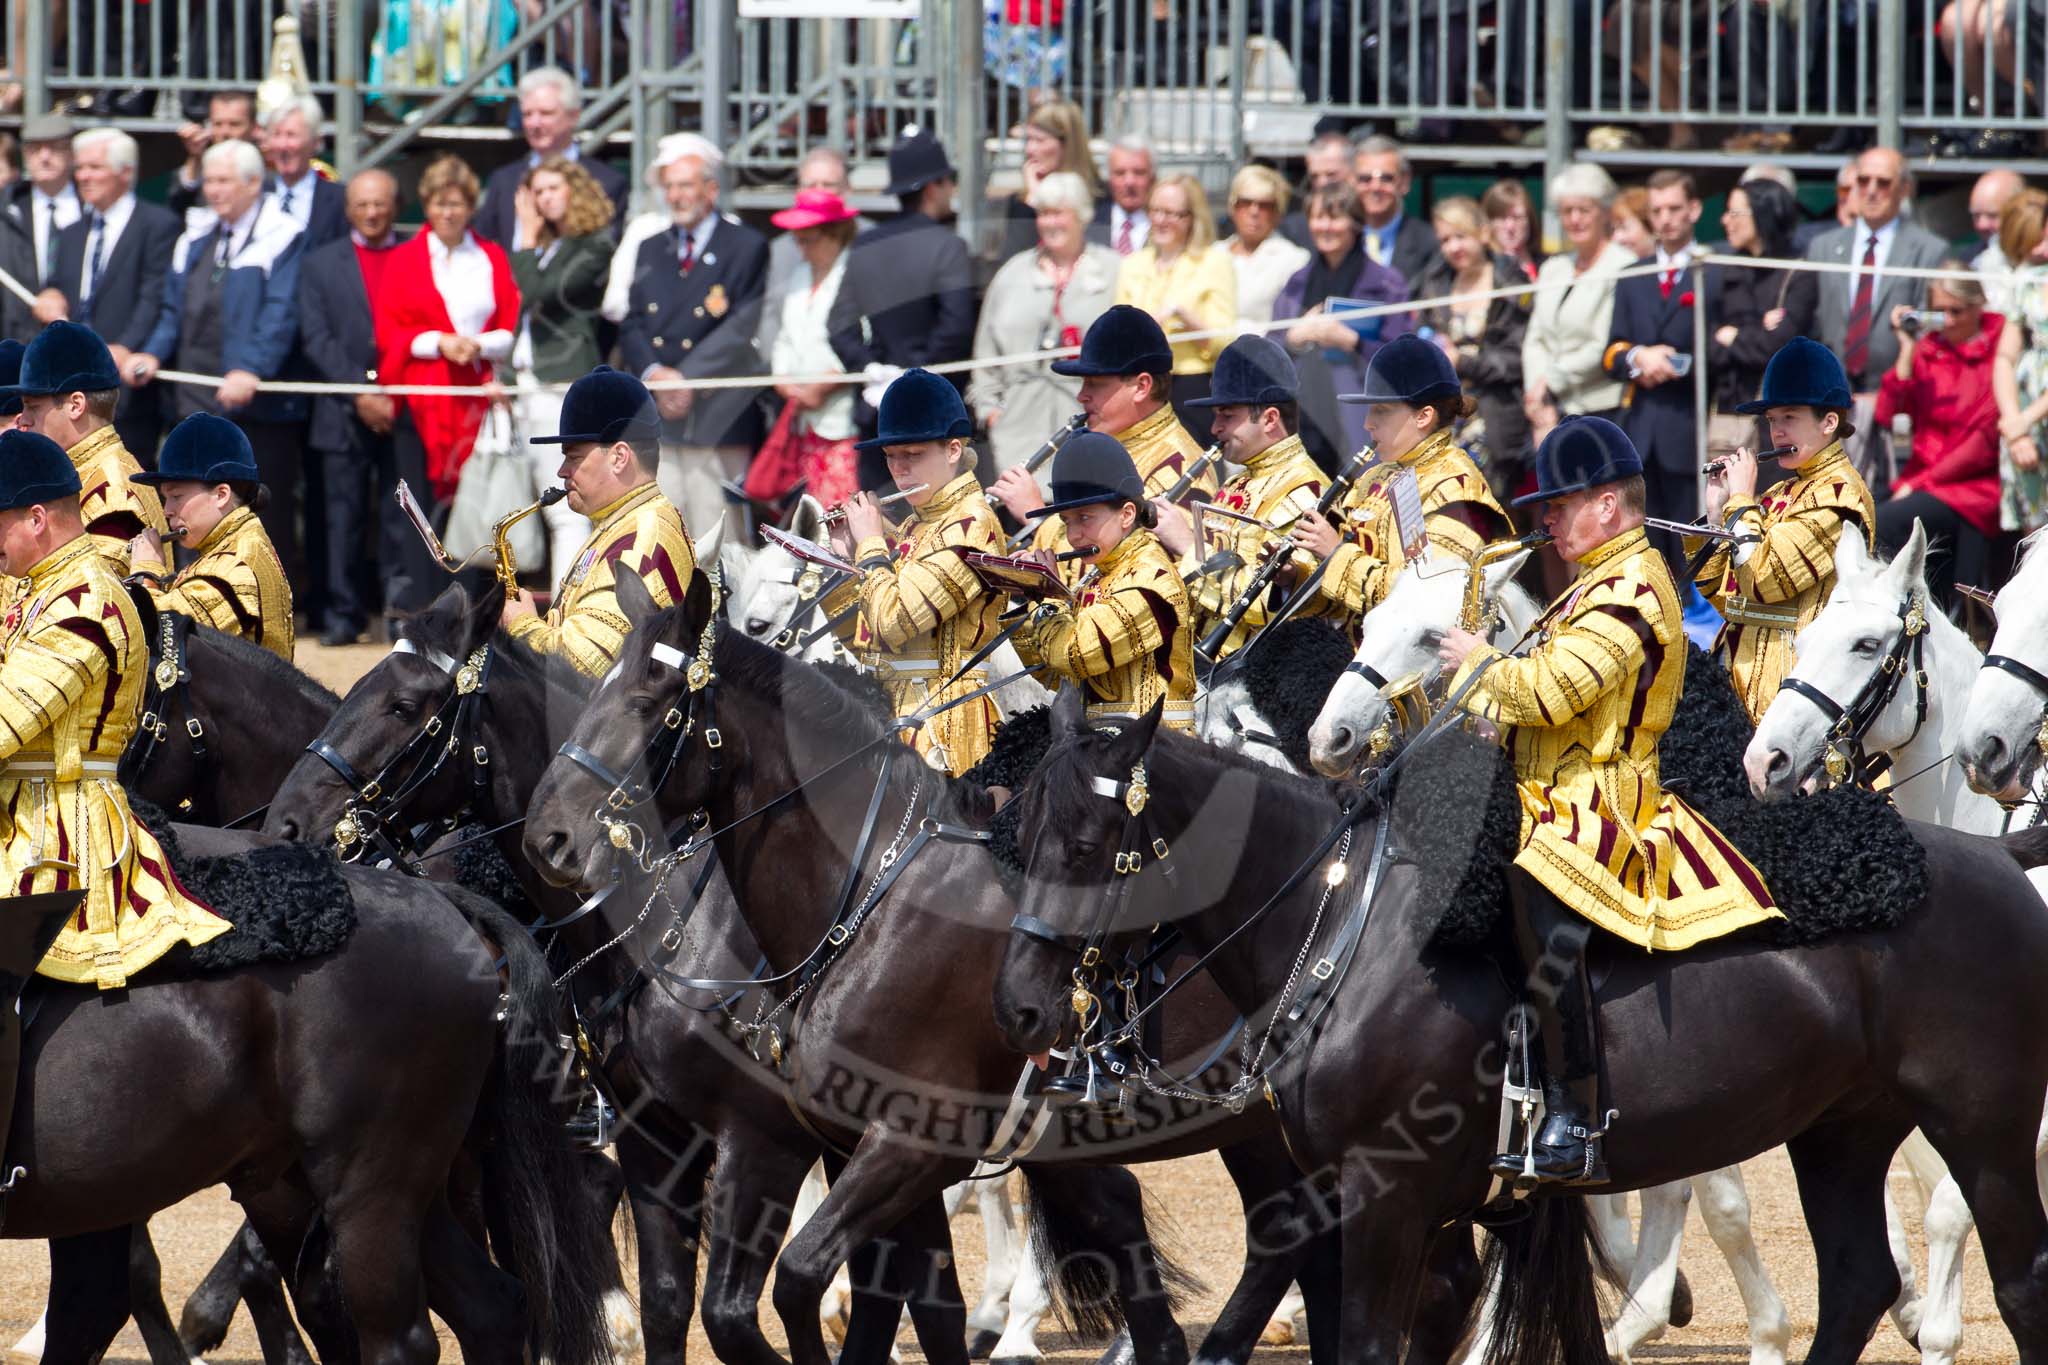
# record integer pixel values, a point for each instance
(1133, 794)
(372, 819)
(1846, 759)
(2033, 678)
(169, 686)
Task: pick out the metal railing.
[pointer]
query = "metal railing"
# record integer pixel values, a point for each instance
(1510, 80)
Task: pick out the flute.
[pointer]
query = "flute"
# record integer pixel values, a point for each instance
(1194, 472)
(837, 513)
(1774, 453)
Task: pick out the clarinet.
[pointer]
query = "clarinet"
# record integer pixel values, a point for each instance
(1194, 471)
(1339, 486)
(1060, 436)
(1073, 425)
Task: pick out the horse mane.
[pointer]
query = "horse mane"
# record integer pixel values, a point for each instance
(552, 671)
(253, 656)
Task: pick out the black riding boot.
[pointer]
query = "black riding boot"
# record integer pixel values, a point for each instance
(28, 926)
(1559, 991)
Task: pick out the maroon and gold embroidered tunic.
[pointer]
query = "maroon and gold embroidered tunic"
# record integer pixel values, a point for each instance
(640, 533)
(73, 666)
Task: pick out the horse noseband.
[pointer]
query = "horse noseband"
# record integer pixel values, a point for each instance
(2033, 678)
(1845, 759)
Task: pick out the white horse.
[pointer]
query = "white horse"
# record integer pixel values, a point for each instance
(1839, 655)
(2000, 743)
(1399, 640)
(767, 600)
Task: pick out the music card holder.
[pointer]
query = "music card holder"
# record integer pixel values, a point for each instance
(417, 515)
(1214, 528)
(1410, 527)
(1017, 576)
(808, 551)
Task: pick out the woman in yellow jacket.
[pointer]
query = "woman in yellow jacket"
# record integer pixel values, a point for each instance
(922, 612)
(1124, 639)
(207, 475)
(1182, 278)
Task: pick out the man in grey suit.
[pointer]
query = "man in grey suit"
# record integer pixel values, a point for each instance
(1854, 313)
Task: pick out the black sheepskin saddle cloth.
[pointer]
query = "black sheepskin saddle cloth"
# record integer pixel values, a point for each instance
(1289, 677)
(288, 903)
(1839, 861)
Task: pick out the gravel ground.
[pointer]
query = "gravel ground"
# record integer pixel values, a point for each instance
(1195, 1204)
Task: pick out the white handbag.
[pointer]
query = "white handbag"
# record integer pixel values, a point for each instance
(496, 481)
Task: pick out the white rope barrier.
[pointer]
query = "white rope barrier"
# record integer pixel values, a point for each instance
(1039, 357)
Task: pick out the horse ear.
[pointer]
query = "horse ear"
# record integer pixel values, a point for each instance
(734, 560)
(636, 601)
(1136, 739)
(710, 546)
(699, 602)
(1502, 572)
(483, 608)
(1909, 567)
(807, 518)
(1067, 715)
(1852, 553)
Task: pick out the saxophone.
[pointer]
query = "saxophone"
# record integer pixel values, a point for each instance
(1472, 615)
(501, 537)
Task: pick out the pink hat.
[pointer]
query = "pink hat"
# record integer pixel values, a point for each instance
(814, 208)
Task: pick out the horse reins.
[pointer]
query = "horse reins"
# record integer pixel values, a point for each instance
(375, 802)
(1845, 758)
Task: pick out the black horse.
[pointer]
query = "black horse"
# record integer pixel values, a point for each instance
(218, 739)
(695, 1102)
(332, 1096)
(894, 1053)
(1835, 1050)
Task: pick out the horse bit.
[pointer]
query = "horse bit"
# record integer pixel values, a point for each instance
(1845, 758)
(375, 801)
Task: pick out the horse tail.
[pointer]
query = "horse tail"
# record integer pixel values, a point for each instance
(1084, 1243)
(2028, 847)
(1545, 1309)
(545, 1226)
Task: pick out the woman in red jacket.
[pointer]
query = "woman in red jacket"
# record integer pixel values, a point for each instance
(1943, 382)
(446, 312)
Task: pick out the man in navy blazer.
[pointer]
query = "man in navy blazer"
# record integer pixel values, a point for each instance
(231, 308)
(111, 267)
(350, 435)
(291, 132)
(1652, 330)
(693, 312)
(907, 298)
(550, 105)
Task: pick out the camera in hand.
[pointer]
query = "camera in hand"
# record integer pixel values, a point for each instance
(1920, 320)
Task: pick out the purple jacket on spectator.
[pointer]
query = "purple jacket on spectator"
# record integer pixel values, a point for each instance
(1331, 430)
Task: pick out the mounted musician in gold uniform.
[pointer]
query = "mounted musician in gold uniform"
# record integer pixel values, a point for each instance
(611, 447)
(74, 661)
(1126, 373)
(212, 491)
(68, 389)
(1125, 640)
(1582, 704)
(916, 612)
(1771, 583)
(1255, 421)
(1412, 398)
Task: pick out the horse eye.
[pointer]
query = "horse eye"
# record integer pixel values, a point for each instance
(1867, 647)
(405, 708)
(639, 704)
(1085, 848)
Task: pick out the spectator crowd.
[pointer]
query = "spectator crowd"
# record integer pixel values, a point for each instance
(263, 269)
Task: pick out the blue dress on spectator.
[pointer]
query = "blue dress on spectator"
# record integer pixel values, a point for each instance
(1330, 430)
(433, 43)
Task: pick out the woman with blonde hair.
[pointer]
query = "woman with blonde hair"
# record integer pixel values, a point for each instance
(1482, 337)
(2019, 378)
(562, 253)
(1264, 259)
(1182, 278)
(1055, 142)
(1043, 297)
(1511, 223)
